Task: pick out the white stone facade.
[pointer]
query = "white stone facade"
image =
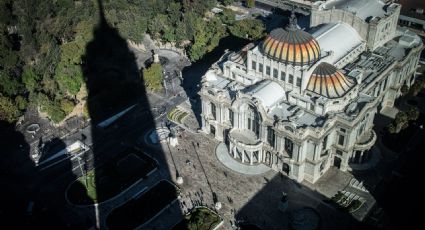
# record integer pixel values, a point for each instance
(266, 113)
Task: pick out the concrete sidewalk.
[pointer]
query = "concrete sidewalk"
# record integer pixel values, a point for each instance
(223, 156)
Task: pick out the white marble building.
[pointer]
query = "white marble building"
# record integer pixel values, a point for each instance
(301, 101)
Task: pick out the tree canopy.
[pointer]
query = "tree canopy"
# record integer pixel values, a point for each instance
(252, 29)
(42, 44)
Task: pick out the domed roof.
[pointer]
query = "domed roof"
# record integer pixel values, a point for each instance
(241, 56)
(292, 46)
(328, 81)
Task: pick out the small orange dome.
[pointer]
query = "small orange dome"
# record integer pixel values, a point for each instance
(328, 81)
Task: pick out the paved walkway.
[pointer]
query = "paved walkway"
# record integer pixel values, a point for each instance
(223, 156)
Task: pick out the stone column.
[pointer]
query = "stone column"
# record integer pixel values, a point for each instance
(243, 156)
(362, 156)
(235, 154)
(250, 158)
(260, 156)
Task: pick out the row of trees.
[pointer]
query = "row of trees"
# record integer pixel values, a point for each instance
(42, 43)
(402, 120)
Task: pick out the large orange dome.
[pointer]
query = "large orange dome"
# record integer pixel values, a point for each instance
(291, 46)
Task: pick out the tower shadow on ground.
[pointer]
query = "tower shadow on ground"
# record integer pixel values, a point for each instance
(113, 84)
(31, 197)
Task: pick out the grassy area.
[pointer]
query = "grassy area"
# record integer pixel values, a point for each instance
(110, 179)
(199, 219)
(343, 202)
(152, 77)
(90, 184)
(177, 115)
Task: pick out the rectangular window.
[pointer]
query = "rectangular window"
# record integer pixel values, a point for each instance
(282, 76)
(325, 143)
(268, 70)
(312, 107)
(275, 73)
(299, 82)
(260, 67)
(291, 79)
(339, 152)
(231, 117)
(385, 83)
(254, 65)
(342, 130)
(213, 111)
(341, 139)
(271, 138)
(289, 145)
(233, 75)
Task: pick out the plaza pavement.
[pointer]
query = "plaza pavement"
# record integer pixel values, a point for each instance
(252, 198)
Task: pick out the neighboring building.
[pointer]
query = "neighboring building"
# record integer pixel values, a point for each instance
(413, 15)
(301, 101)
(301, 6)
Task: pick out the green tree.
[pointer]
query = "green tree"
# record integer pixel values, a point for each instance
(158, 25)
(8, 110)
(181, 31)
(250, 3)
(51, 107)
(67, 105)
(402, 119)
(252, 29)
(30, 79)
(206, 38)
(412, 114)
(227, 2)
(9, 86)
(227, 16)
(174, 11)
(133, 29)
(21, 102)
(70, 84)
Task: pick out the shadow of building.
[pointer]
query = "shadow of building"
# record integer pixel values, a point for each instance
(395, 183)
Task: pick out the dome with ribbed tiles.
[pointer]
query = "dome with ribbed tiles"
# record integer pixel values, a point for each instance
(241, 56)
(291, 46)
(328, 81)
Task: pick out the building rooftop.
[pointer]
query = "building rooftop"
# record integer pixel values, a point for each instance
(268, 92)
(329, 36)
(364, 9)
